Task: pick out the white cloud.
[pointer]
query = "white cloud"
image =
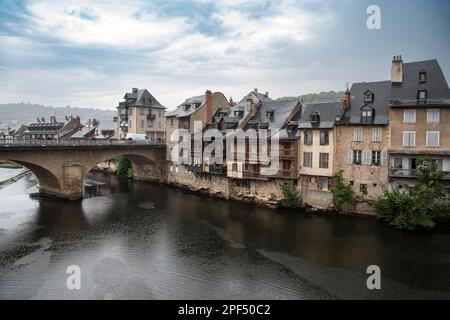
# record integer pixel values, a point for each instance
(175, 59)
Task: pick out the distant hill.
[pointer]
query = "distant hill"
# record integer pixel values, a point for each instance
(15, 114)
(330, 96)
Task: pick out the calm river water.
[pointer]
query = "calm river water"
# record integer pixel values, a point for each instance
(148, 241)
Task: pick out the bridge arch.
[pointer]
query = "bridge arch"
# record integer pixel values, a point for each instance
(47, 180)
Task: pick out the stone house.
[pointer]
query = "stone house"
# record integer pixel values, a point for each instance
(363, 138)
(316, 156)
(141, 113)
(419, 117)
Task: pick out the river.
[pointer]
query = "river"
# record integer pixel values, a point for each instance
(149, 241)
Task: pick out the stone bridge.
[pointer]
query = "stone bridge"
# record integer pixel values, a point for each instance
(61, 166)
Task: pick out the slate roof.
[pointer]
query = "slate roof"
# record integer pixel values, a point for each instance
(282, 110)
(405, 93)
(45, 127)
(142, 98)
(327, 112)
(185, 109)
(381, 91)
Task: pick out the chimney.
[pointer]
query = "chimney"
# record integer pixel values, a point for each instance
(248, 105)
(397, 69)
(347, 99)
(267, 94)
(255, 90)
(231, 102)
(52, 119)
(135, 90)
(43, 120)
(209, 104)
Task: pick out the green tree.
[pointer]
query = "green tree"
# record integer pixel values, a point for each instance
(422, 207)
(291, 198)
(343, 194)
(124, 166)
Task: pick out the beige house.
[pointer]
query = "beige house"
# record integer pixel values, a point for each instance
(316, 152)
(141, 113)
(362, 135)
(419, 121)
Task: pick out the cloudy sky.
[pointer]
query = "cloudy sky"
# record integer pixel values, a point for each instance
(89, 53)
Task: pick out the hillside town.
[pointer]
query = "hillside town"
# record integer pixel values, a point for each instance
(374, 138)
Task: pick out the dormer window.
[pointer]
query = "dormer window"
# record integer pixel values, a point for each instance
(422, 96)
(270, 114)
(368, 96)
(367, 115)
(314, 118)
(422, 76)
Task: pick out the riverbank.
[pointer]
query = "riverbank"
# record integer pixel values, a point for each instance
(13, 177)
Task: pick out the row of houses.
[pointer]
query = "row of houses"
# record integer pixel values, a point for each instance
(375, 137)
(69, 128)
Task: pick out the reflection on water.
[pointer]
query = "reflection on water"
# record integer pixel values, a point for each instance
(147, 241)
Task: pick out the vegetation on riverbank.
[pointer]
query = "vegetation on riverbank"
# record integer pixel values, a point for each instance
(125, 168)
(344, 197)
(291, 198)
(9, 165)
(423, 208)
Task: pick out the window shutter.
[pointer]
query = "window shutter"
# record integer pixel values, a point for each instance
(366, 157)
(383, 158)
(349, 156)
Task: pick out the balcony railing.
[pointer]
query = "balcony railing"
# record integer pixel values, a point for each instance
(287, 153)
(413, 173)
(151, 116)
(195, 168)
(216, 169)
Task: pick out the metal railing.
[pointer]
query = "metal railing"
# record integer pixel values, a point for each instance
(413, 173)
(75, 143)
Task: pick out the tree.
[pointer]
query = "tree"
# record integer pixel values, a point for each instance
(343, 194)
(291, 198)
(124, 166)
(426, 204)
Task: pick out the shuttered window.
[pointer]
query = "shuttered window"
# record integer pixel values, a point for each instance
(376, 136)
(358, 135)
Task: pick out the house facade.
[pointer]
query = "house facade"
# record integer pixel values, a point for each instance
(141, 113)
(317, 152)
(419, 117)
(362, 134)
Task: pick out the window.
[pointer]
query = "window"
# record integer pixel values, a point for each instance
(142, 123)
(358, 135)
(324, 138)
(363, 189)
(438, 163)
(357, 156)
(376, 137)
(314, 117)
(130, 125)
(409, 116)
(307, 159)
(422, 76)
(323, 161)
(398, 163)
(409, 138)
(171, 122)
(432, 139)
(269, 115)
(131, 112)
(432, 116)
(149, 123)
(422, 95)
(159, 113)
(159, 124)
(368, 96)
(142, 111)
(308, 138)
(367, 114)
(352, 183)
(376, 158)
(324, 184)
